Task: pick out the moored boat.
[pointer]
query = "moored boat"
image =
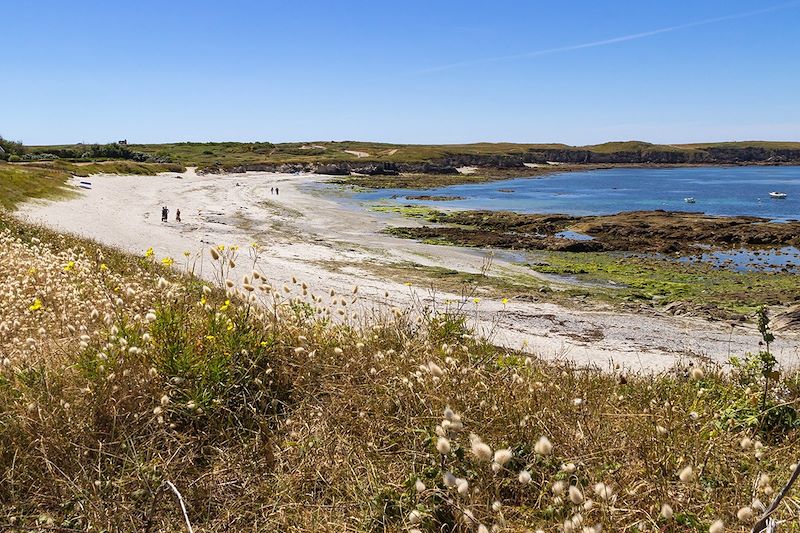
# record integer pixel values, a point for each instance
(776, 194)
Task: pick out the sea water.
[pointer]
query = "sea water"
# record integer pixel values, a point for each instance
(728, 191)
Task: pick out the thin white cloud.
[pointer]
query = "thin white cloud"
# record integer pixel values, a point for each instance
(605, 42)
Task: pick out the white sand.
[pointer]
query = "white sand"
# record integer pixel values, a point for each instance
(303, 232)
(467, 170)
(356, 153)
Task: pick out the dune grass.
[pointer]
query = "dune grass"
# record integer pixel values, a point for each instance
(19, 183)
(295, 408)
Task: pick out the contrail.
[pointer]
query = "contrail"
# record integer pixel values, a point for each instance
(613, 40)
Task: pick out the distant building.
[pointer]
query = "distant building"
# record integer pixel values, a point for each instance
(123, 142)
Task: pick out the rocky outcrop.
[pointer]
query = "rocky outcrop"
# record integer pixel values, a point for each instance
(788, 320)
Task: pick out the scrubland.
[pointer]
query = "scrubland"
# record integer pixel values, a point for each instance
(296, 408)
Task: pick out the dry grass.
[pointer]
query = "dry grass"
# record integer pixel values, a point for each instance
(292, 408)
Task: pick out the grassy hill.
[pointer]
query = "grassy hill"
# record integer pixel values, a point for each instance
(230, 154)
(293, 408)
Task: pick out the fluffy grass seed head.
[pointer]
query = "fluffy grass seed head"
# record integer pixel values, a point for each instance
(480, 449)
(666, 511)
(501, 457)
(543, 446)
(575, 495)
(443, 445)
(686, 474)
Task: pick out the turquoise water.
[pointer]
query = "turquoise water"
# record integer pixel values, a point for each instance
(717, 190)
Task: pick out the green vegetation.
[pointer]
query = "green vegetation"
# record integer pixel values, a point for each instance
(494, 159)
(408, 211)
(266, 412)
(10, 149)
(714, 290)
(19, 183)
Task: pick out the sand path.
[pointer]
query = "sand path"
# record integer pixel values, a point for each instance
(319, 237)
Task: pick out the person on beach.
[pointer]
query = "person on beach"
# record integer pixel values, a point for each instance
(272, 190)
(164, 214)
(276, 190)
(177, 215)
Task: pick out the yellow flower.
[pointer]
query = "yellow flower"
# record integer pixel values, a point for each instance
(31, 271)
(504, 301)
(167, 261)
(203, 300)
(69, 266)
(186, 253)
(37, 304)
(254, 245)
(234, 248)
(103, 267)
(263, 344)
(407, 283)
(149, 252)
(476, 300)
(209, 337)
(224, 307)
(221, 247)
(230, 326)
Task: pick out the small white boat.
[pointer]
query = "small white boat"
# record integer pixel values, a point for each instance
(779, 195)
(689, 200)
(85, 184)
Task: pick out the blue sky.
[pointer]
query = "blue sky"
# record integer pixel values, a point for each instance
(433, 71)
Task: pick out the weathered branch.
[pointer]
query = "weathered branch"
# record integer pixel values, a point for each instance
(765, 523)
(159, 490)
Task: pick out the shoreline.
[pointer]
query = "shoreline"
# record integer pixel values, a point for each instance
(302, 234)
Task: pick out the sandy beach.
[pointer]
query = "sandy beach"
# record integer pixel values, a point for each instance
(312, 235)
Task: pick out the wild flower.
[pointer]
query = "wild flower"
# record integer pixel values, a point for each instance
(214, 253)
(524, 477)
(686, 474)
(569, 468)
(449, 479)
(419, 486)
(716, 527)
(559, 487)
(697, 373)
(414, 517)
(575, 495)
